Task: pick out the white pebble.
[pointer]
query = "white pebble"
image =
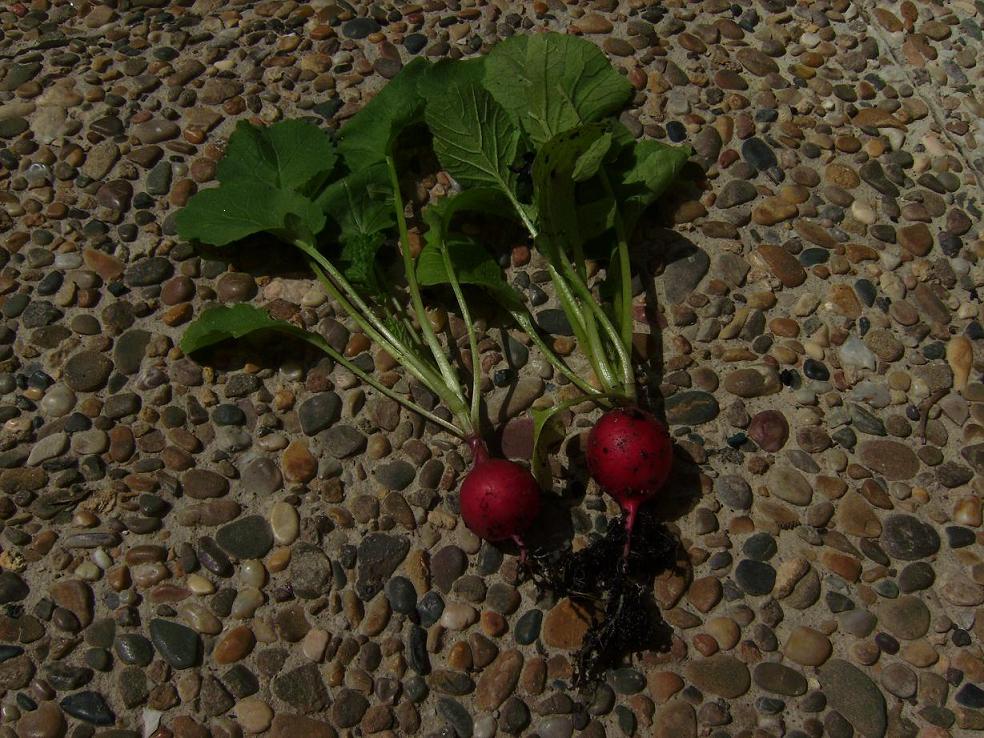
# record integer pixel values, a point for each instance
(806, 304)
(246, 603)
(872, 392)
(863, 212)
(57, 401)
(854, 353)
(484, 727)
(458, 616)
(102, 559)
(254, 715)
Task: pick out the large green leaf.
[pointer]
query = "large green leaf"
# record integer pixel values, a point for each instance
(475, 139)
(554, 185)
(223, 323)
(639, 172)
(368, 137)
(553, 82)
(589, 163)
(287, 155)
(472, 265)
(446, 72)
(643, 173)
(232, 211)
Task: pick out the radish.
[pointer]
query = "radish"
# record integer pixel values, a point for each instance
(499, 499)
(630, 455)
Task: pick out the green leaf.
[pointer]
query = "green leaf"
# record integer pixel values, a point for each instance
(588, 163)
(223, 323)
(554, 185)
(438, 215)
(639, 174)
(368, 137)
(472, 265)
(287, 155)
(447, 72)
(361, 206)
(474, 138)
(232, 211)
(595, 217)
(552, 82)
(643, 173)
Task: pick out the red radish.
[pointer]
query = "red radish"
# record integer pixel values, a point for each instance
(498, 499)
(629, 454)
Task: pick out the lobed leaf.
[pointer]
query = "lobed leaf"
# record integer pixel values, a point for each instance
(368, 136)
(232, 211)
(288, 155)
(223, 323)
(475, 139)
(551, 83)
(447, 72)
(438, 215)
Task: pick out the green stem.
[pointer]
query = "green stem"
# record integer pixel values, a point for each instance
(382, 388)
(524, 216)
(413, 364)
(522, 319)
(590, 324)
(343, 285)
(472, 338)
(447, 371)
(626, 318)
(583, 325)
(590, 340)
(582, 292)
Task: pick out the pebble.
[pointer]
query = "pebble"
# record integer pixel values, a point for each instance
(249, 537)
(284, 523)
(782, 264)
(734, 492)
(779, 679)
(769, 429)
(721, 675)
(691, 408)
(90, 707)
(908, 538)
(807, 647)
(178, 645)
(852, 693)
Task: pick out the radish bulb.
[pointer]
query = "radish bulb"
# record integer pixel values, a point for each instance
(629, 455)
(499, 499)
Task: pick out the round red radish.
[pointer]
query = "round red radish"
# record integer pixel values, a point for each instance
(629, 454)
(499, 499)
